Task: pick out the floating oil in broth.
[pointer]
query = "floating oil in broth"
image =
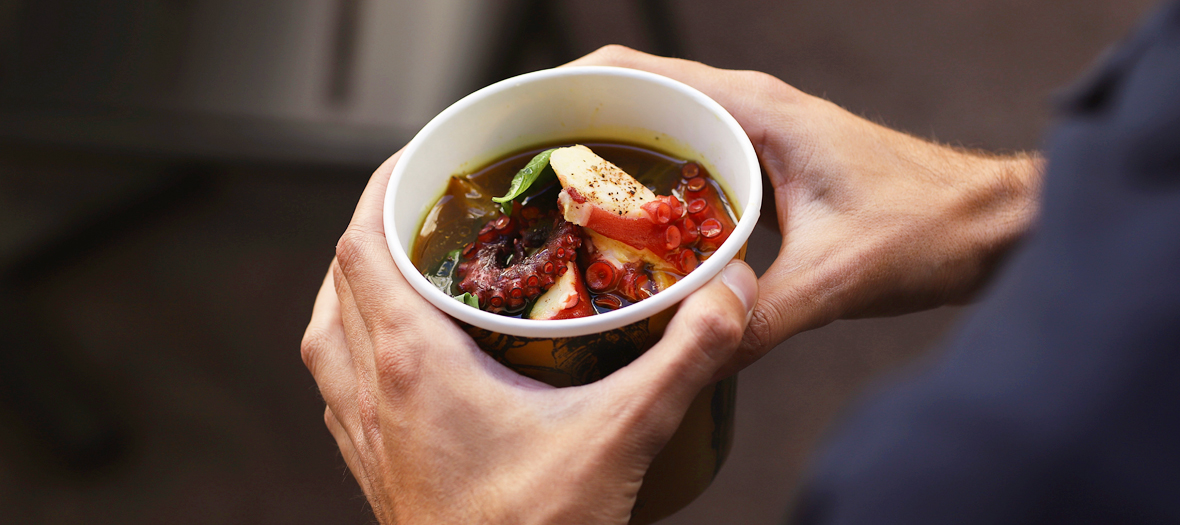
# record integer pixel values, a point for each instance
(456, 219)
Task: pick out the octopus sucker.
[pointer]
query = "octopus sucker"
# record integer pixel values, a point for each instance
(506, 260)
(567, 299)
(672, 236)
(604, 241)
(710, 228)
(656, 228)
(600, 276)
(608, 302)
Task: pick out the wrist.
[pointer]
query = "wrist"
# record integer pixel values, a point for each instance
(1000, 211)
(940, 240)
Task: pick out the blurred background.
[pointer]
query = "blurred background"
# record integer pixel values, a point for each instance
(174, 175)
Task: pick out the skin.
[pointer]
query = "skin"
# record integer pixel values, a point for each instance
(874, 222)
(435, 431)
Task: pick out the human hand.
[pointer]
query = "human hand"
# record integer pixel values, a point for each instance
(436, 431)
(874, 221)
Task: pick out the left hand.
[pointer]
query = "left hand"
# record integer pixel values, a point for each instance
(436, 431)
(873, 221)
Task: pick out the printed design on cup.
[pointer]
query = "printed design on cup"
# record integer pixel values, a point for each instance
(569, 361)
(592, 357)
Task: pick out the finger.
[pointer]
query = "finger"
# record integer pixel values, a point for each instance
(696, 74)
(385, 343)
(380, 292)
(700, 339)
(325, 350)
(742, 93)
(347, 448)
(357, 332)
(363, 252)
(791, 300)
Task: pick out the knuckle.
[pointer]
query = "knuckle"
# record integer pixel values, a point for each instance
(311, 348)
(757, 333)
(769, 86)
(352, 247)
(756, 340)
(717, 327)
(615, 54)
(764, 80)
(395, 354)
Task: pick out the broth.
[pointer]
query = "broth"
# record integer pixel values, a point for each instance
(455, 221)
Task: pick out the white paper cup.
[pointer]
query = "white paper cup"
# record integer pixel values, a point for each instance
(588, 104)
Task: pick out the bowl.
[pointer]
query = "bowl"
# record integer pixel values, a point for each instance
(588, 104)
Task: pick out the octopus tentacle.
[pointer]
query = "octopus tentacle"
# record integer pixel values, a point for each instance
(505, 268)
(707, 213)
(658, 229)
(612, 269)
(631, 243)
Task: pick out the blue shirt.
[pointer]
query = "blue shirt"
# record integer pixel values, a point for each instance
(1059, 400)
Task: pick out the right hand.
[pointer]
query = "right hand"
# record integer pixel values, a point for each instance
(874, 221)
(436, 431)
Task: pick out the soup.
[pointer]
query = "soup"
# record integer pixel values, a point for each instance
(572, 231)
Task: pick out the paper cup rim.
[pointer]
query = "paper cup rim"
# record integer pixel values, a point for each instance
(595, 323)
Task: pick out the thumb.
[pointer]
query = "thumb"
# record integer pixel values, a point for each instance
(791, 300)
(700, 339)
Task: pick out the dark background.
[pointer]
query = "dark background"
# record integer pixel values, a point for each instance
(174, 176)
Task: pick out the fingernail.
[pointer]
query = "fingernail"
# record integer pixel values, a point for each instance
(744, 284)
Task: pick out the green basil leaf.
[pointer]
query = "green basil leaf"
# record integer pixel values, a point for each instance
(468, 299)
(525, 178)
